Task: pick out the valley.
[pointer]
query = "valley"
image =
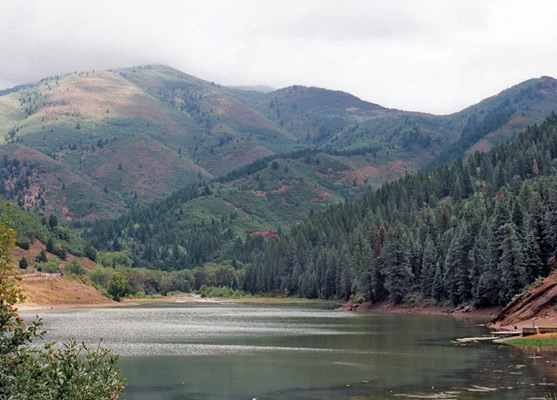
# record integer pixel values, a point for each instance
(181, 183)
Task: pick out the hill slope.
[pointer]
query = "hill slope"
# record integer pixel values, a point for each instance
(533, 307)
(477, 232)
(95, 145)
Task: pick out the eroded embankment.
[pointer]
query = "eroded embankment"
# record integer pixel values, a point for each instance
(534, 307)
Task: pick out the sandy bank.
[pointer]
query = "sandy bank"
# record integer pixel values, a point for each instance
(70, 306)
(170, 300)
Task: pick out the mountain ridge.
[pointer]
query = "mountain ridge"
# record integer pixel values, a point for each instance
(97, 144)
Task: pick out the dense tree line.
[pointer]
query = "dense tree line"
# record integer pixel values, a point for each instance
(306, 154)
(475, 232)
(157, 241)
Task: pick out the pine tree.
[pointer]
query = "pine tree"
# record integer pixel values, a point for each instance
(396, 263)
(23, 263)
(344, 276)
(479, 258)
(429, 262)
(510, 265)
(437, 290)
(50, 246)
(531, 260)
(41, 257)
(549, 227)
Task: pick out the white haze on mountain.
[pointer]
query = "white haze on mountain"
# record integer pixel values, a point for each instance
(422, 55)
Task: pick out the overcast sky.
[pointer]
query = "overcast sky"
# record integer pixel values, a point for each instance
(420, 55)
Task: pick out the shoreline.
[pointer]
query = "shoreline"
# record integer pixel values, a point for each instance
(170, 300)
(485, 315)
(69, 306)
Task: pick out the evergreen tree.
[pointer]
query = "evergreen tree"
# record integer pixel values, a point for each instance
(52, 221)
(50, 246)
(479, 256)
(41, 257)
(23, 263)
(510, 265)
(458, 262)
(531, 260)
(344, 276)
(396, 263)
(437, 287)
(429, 262)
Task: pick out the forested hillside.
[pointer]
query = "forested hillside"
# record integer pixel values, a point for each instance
(57, 239)
(472, 232)
(95, 145)
(207, 223)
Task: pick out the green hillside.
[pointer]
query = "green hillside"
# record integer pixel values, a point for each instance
(31, 229)
(203, 223)
(314, 114)
(500, 117)
(95, 145)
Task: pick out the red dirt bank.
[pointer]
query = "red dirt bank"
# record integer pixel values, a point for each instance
(483, 314)
(534, 307)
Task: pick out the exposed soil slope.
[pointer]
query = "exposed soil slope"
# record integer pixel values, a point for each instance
(56, 292)
(536, 306)
(60, 292)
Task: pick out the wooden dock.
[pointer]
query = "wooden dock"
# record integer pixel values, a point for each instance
(535, 330)
(505, 334)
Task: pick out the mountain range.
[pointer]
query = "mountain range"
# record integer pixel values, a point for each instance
(95, 145)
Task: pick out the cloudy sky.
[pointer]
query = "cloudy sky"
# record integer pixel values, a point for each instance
(422, 55)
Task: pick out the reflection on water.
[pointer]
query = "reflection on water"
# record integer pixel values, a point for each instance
(245, 351)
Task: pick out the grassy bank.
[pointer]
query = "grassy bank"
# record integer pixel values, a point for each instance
(547, 341)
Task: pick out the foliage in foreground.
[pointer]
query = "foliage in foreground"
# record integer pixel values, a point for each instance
(74, 371)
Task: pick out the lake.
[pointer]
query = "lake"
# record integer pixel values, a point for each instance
(176, 351)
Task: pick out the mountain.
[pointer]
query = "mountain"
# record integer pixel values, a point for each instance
(500, 117)
(314, 114)
(96, 145)
(476, 232)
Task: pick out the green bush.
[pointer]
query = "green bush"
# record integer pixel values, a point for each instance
(101, 277)
(221, 291)
(119, 286)
(23, 243)
(357, 298)
(73, 267)
(50, 267)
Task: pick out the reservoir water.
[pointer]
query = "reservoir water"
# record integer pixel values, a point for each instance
(177, 351)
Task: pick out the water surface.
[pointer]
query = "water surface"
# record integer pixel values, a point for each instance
(245, 351)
